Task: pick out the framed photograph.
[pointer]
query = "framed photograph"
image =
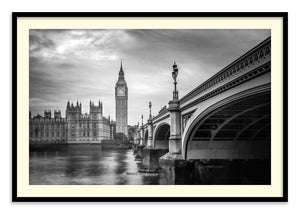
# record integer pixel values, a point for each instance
(157, 107)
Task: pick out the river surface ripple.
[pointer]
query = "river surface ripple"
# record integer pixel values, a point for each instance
(86, 165)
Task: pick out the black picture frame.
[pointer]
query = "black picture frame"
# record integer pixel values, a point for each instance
(16, 198)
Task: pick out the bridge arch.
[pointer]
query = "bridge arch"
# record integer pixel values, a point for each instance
(161, 136)
(237, 127)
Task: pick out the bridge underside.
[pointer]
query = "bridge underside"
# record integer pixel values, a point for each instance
(239, 130)
(161, 140)
(232, 145)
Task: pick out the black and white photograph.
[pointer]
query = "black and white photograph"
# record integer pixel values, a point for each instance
(150, 106)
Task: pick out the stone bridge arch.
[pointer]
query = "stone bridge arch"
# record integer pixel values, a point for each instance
(161, 136)
(237, 127)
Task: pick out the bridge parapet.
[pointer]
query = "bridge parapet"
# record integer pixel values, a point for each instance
(255, 58)
(162, 109)
(145, 126)
(163, 112)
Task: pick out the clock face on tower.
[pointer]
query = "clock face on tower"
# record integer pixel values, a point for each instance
(121, 92)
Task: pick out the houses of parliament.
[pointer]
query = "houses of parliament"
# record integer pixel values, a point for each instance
(77, 127)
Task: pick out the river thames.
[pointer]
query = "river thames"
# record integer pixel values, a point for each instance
(86, 165)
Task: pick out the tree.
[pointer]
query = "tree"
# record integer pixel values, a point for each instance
(121, 137)
(131, 132)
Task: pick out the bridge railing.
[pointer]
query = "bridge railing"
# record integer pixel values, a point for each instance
(162, 112)
(250, 58)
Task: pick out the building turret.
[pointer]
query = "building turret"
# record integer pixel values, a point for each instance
(96, 110)
(47, 114)
(73, 111)
(57, 114)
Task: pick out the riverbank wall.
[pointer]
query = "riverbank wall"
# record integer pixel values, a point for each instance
(105, 144)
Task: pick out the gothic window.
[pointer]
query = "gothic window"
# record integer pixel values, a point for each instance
(95, 134)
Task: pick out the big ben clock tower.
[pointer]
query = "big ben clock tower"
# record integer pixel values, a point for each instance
(121, 94)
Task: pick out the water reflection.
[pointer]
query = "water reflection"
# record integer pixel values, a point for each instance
(85, 165)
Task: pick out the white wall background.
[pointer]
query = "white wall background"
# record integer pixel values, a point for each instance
(153, 5)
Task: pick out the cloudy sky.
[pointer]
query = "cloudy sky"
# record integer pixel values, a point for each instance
(83, 65)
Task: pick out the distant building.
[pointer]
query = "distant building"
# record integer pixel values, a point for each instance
(112, 128)
(75, 128)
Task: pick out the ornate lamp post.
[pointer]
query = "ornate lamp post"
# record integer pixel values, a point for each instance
(150, 128)
(142, 132)
(174, 75)
(150, 105)
(137, 133)
(175, 114)
(172, 164)
(174, 109)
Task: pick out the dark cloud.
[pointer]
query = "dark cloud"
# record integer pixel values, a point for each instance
(37, 43)
(192, 45)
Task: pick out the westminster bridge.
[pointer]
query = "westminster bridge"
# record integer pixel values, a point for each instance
(218, 133)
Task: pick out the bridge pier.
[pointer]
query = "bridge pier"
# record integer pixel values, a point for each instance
(150, 154)
(134, 148)
(151, 159)
(139, 152)
(174, 169)
(140, 146)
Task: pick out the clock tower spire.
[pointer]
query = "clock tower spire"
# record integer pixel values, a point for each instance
(121, 96)
(121, 72)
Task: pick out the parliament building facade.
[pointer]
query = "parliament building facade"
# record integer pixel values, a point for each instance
(74, 128)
